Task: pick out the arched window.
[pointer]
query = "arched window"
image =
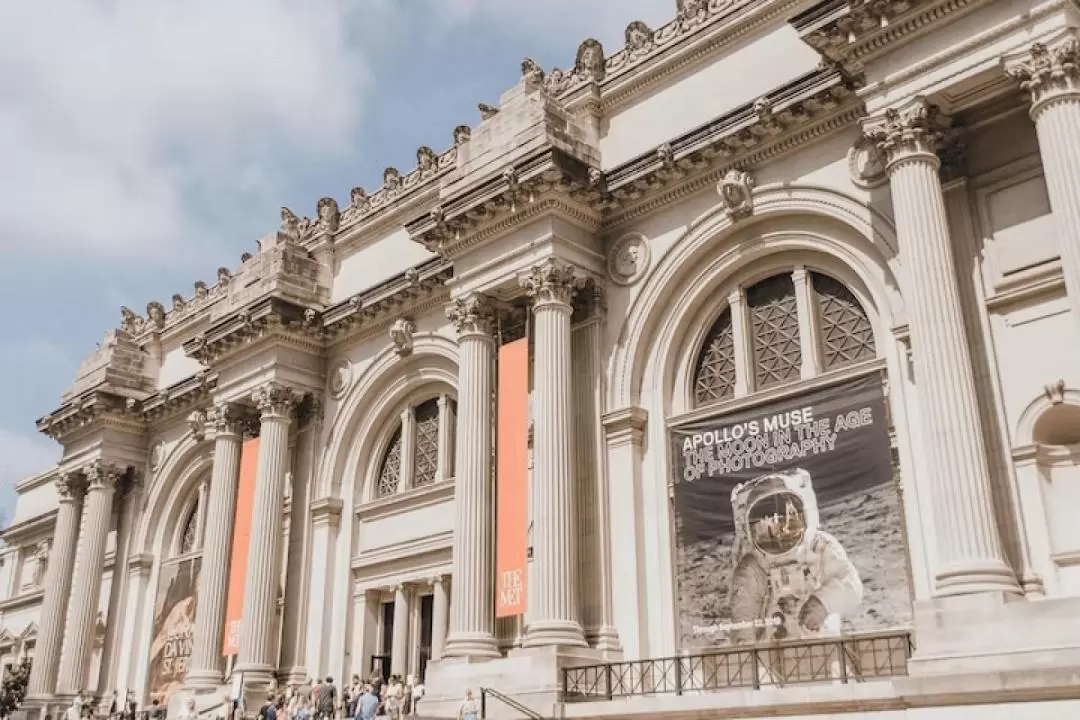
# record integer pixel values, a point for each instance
(420, 451)
(763, 328)
(189, 537)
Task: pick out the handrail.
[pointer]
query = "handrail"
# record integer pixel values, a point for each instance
(508, 701)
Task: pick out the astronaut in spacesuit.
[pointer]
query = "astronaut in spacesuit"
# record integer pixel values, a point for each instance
(792, 580)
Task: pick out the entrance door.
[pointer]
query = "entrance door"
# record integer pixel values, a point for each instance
(427, 608)
(386, 640)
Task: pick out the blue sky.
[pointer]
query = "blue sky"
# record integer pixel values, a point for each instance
(147, 142)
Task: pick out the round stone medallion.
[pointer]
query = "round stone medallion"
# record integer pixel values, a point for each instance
(866, 164)
(157, 455)
(340, 378)
(628, 259)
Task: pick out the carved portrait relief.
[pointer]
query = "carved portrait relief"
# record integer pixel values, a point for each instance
(628, 259)
(866, 164)
(340, 378)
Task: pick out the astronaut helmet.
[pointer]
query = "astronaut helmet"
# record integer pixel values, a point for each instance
(775, 514)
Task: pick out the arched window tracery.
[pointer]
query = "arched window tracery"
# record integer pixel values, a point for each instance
(420, 451)
(189, 536)
(763, 328)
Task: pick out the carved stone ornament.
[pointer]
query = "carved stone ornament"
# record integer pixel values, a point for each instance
(426, 160)
(472, 314)
(290, 225)
(692, 11)
(391, 179)
(628, 259)
(197, 424)
(639, 39)
(487, 111)
(359, 205)
(532, 75)
(340, 379)
(130, 321)
(328, 214)
(736, 191)
(1048, 72)
(462, 135)
(866, 164)
(401, 334)
(155, 311)
(552, 282)
(1055, 392)
(917, 131)
(157, 455)
(102, 475)
(69, 486)
(227, 417)
(589, 64)
(275, 399)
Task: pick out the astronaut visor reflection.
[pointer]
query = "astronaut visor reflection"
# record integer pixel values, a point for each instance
(777, 523)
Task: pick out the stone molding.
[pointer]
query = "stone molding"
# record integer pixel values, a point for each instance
(851, 33)
(625, 424)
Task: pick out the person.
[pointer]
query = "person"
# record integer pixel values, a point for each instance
(417, 694)
(268, 711)
(395, 695)
(303, 709)
(368, 705)
(469, 708)
(327, 700)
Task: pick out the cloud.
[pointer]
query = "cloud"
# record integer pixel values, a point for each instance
(116, 119)
(23, 456)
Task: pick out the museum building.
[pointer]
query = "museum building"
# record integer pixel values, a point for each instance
(732, 371)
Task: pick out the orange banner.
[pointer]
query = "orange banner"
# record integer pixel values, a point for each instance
(512, 480)
(245, 500)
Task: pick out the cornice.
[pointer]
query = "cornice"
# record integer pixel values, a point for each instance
(35, 526)
(806, 109)
(269, 318)
(22, 601)
(94, 407)
(413, 499)
(179, 397)
(34, 481)
(415, 291)
(851, 33)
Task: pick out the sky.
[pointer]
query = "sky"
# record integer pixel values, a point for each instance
(145, 143)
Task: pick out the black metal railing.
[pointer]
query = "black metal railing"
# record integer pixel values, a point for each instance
(486, 692)
(852, 658)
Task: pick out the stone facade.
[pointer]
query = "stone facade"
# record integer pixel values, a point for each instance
(899, 178)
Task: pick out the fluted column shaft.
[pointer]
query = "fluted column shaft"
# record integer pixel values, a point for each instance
(970, 554)
(472, 606)
(440, 613)
(220, 513)
(257, 637)
(54, 605)
(86, 584)
(1052, 79)
(555, 617)
(399, 643)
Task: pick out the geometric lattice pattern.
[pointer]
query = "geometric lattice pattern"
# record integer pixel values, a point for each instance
(191, 528)
(774, 321)
(390, 471)
(846, 334)
(714, 378)
(426, 448)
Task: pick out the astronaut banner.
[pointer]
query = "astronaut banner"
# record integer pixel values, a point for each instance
(788, 521)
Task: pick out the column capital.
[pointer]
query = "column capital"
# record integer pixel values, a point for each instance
(275, 400)
(552, 282)
(472, 314)
(70, 486)
(436, 580)
(102, 475)
(228, 418)
(915, 131)
(1048, 74)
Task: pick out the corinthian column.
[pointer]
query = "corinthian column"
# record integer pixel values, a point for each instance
(1052, 79)
(54, 605)
(102, 479)
(555, 620)
(970, 554)
(205, 668)
(472, 606)
(276, 403)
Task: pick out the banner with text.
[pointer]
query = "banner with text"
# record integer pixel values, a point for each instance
(245, 501)
(174, 625)
(788, 520)
(512, 480)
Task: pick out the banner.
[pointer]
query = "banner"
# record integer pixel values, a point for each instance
(512, 480)
(245, 500)
(788, 521)
(174, 627)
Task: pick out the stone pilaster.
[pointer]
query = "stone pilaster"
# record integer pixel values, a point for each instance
(1051, 77)
(102, 479)
(399, 643)
(555, 619)
(594, 568)
(440, 615)
(54, 606)
(276, 403)
(220, 512)
(970, 554)
(472, 606)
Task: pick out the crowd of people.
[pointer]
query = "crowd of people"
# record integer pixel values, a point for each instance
(393, 698)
